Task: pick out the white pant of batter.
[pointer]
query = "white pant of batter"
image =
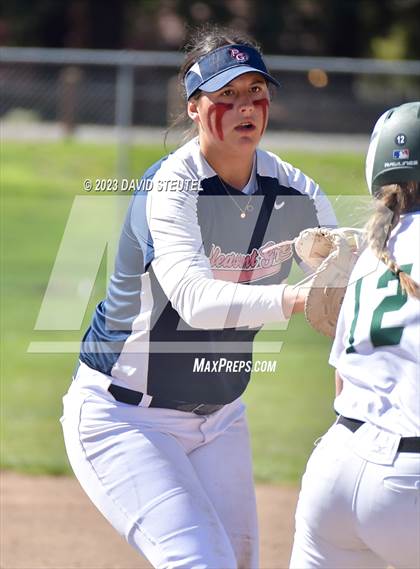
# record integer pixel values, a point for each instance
(354, 512)
(178, 486)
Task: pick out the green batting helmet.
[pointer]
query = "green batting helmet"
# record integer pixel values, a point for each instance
(394, 150)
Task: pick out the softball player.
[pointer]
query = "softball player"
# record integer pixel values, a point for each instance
(153, 422)
(359, 504)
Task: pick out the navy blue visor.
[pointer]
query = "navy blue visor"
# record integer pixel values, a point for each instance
(214, 70)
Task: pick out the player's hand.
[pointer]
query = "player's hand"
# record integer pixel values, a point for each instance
(294, 299)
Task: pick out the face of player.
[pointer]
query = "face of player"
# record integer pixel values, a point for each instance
(234, 117)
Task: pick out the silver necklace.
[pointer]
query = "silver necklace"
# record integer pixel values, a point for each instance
(248, 207)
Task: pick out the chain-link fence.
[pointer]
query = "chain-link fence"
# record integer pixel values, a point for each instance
(105, 87)
(135, 89)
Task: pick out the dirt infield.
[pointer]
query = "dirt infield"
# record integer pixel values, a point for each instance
(48, 522)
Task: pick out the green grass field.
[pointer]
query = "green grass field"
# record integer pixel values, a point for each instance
(287, 410)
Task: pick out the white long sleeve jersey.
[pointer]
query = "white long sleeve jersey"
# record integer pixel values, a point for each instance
(377, 344)
(192, 281)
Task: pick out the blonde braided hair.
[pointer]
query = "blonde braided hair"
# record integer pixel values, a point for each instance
(392, 201)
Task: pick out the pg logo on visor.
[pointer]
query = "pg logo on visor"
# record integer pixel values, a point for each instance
(240, 56)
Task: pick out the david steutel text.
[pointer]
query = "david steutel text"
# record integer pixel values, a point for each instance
(143, 185)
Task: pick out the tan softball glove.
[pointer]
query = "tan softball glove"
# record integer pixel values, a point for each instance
(332, 254)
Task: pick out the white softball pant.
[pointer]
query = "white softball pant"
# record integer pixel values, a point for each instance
(354, 512)
(178, 486)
